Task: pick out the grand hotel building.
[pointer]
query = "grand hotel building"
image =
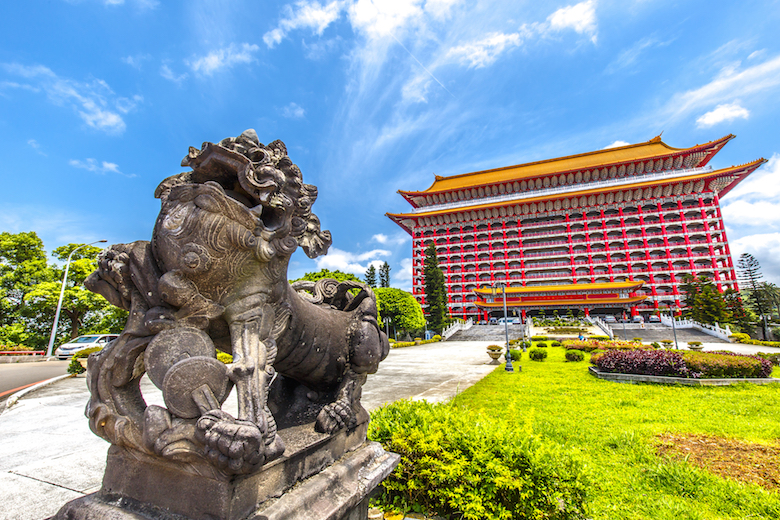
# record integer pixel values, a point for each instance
(610, 229)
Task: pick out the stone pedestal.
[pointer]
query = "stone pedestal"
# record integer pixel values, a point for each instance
(319, 477)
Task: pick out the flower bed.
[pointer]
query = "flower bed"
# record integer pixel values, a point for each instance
(697, 365)
(589, 345)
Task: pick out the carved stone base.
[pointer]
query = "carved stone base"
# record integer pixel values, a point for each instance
(332, 476)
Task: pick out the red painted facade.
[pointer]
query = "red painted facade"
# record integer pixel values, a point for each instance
(645, 212)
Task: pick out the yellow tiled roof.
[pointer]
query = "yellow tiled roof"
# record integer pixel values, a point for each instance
(573, 303)
(574, 287)
(595, 191)
(632, 152)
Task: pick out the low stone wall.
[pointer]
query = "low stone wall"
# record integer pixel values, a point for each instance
(665, 380)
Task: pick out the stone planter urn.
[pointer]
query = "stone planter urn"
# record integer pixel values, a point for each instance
(698, 347)
(495, 355)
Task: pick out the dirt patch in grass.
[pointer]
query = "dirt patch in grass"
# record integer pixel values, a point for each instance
(728, 458)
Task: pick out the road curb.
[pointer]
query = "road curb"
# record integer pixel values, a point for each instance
(14, 398)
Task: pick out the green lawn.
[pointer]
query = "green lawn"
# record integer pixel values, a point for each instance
(613, 425)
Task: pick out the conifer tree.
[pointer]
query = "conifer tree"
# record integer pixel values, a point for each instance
(749, 274)
(370, 278)
(435, 291)
(384, 275)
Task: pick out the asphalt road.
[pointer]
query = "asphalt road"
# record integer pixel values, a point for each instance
(16, 376)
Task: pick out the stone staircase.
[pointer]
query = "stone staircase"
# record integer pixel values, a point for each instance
(651, 332)
(656, 332)
(488, 333)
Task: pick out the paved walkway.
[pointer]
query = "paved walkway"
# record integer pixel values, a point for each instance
(49, 456)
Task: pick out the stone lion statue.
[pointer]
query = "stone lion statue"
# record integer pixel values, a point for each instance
(214, 276)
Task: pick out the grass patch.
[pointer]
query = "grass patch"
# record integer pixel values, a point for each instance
(614, 428)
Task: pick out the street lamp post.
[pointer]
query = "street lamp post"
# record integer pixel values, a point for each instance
(674, 327)
(508, 366)
(62, 293)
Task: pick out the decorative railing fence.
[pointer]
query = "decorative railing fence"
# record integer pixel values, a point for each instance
(602, 325)
(712, 330)
(455, 327)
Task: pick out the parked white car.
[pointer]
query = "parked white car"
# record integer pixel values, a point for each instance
(66, 350)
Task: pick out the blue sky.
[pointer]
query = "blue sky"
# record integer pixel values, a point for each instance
(100, 100)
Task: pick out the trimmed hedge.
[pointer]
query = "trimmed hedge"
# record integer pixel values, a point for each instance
(574, 355)
(401, 344)
(590, 345)
(697, 365)
(515, 354)
(458, 465)
(539, 338)
(537, 354)
(74, 367)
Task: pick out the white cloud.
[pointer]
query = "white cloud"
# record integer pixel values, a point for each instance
(403, 277)
(136, 61)
(579, 17)
(752, 210)
(306, 15)
(94, 166)
(167, 73)
(764, 183)
(765, 247)
(395, 240)
(224, 58)
(761, 213)
(32, 143)
(355, 263)
(731, 82)
(94, 101)
(382, 18)
(293, 111)
(484, 52)
(615, 145)
(721, 113)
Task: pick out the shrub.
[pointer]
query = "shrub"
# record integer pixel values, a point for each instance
(15, 348)
(456, 465)
(647, 362)
(574, 355)
(599, 338)
(537, 354)
(541, 344)
(556, 344)
(655, 344)
(515, 354)
(436, 337)
(74, 367)
(391, 340)
(739, 336)
(682, 364)
(539, 338)
(726, 364)
(590, 345)
(772, 358)
(637, 340)
(224, 357)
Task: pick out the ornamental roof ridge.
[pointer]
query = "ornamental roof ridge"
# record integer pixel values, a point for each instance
(655, 147)
(544, 195)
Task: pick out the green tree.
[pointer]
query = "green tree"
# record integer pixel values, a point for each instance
(22, 266)
(325, 273)
(401, 307)
(384, 275)
(77, 301)
(740, 317)
(435, 291)
(370, 278)
(749, 274)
